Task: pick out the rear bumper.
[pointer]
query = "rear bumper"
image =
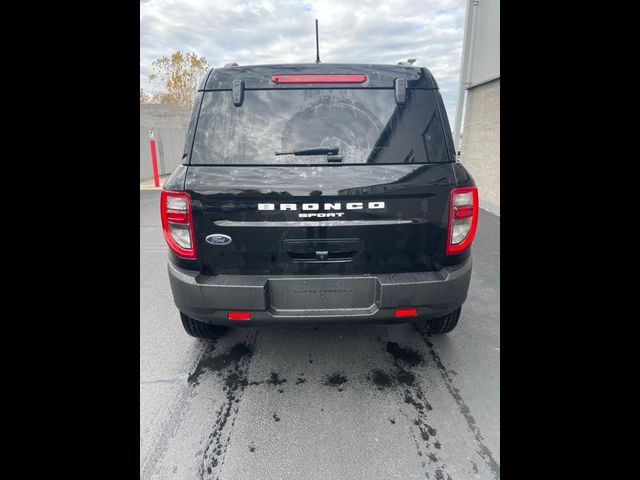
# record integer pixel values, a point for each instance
(281, 299)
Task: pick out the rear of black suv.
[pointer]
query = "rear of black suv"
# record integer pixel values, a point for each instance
(315, 193)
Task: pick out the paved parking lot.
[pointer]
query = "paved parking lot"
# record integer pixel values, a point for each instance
(330, 402)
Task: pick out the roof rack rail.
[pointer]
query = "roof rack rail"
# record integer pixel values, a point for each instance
(411, 61)
(232, 64)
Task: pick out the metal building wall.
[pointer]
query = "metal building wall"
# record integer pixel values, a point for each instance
(169, 123)
(478, 137)
(485, 60)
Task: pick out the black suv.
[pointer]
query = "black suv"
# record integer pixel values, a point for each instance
(318, 193)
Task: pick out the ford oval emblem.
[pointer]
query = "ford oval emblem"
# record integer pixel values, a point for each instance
(218, 239)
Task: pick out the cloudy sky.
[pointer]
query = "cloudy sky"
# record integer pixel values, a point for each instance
(283, 31)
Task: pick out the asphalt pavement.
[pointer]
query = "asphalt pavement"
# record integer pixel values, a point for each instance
(330, 402)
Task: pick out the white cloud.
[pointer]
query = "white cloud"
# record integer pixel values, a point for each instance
(263, 31)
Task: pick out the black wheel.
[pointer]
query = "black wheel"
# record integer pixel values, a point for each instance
(200, 329)
(443, 324)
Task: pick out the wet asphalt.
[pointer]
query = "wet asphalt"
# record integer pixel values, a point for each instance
(330, 402)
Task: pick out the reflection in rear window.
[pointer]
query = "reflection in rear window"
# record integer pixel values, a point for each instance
(365, 125)
(433, 138)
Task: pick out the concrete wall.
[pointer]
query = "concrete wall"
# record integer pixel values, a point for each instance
(480, 148)
(169, 123)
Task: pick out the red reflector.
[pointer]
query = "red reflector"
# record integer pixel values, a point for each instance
(340, 78)
(238, 316)
(463, 212)
(405, 312)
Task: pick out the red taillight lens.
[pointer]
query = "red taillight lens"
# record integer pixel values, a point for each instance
(463, 219)
(405, 312)
(176, 217)
(177, 223)
(304, 78)
(238, 316)
(462, 212)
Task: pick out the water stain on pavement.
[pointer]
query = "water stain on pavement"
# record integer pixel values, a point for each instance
(404, 381)
(404, 377)
(440, 475)
(399, 378)
(231, 368)
(218, 362)
(407, 355)
(335, 380)
(275, 379)
(483, 451)
(381, 379)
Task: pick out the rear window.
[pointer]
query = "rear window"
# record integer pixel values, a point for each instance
(364, 125)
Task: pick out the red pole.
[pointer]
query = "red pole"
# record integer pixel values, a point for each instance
(154, 159)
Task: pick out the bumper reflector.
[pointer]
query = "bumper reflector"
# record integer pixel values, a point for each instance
(405, 312)
(238, 316)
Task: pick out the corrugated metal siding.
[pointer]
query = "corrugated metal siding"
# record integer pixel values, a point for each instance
(169, 149)
(169, 123)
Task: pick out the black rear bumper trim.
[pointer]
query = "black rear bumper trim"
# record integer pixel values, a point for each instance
(209, 298)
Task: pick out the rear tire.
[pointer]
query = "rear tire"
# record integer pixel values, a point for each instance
(438, 325)
(201, 329)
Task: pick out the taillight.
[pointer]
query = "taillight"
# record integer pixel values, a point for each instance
(177, 223)
(463, 219)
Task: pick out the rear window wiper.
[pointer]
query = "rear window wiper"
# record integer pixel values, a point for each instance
(312, 151)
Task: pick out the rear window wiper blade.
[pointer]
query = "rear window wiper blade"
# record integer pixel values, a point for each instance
(312, 151)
